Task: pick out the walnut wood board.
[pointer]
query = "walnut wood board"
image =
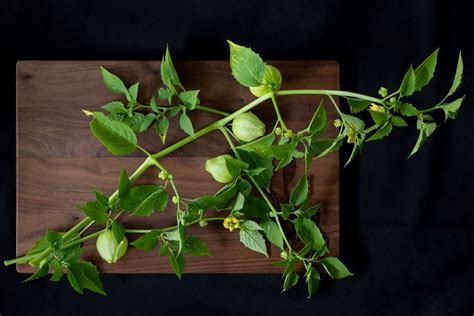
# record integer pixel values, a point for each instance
(60, 163)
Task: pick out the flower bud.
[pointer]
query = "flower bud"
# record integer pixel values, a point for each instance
(108, 247)
(217, 167)
(377, 108)
(163, 175)
(278, 131)
(247, 127)
(231, 223)
(337, 123)
(383, 92)
(203, 223)
(284, 255)
(393, 99)
(351, 136)
(271, 82)
(175, 200)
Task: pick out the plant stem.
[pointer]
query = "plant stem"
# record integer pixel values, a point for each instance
(262, 193)
(339, 93)
(277, 111)
(211, 110)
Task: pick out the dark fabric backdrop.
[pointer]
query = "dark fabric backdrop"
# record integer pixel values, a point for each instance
(407, 226)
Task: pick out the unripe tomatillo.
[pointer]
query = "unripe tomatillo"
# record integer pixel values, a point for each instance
(108, 247)
(247, 127)
(217, 167)
(271, 82)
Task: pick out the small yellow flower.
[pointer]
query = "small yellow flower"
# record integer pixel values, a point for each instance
(337, 123)
(351, 137)
(231, 223)
(377, 108)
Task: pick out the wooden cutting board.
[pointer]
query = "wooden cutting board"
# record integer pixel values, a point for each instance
(60, 163)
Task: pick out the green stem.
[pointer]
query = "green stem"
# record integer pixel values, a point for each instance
(211, 110)
(329, 92)
(278, 114)
(262, 193)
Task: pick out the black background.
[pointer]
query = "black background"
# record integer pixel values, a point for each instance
(407, 225)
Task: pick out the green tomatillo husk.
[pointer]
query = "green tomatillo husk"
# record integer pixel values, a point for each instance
(108, 247)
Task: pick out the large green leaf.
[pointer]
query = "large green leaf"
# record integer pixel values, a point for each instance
(299, 194)
(147, 241)
(408, 85)
(91, 277)
(247, 67)
(113, 82)
(425, 71)
(253, 240)
(117, 137)
(308, 232)
(335, 268)
(272, 232)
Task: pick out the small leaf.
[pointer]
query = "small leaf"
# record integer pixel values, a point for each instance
(41, 272)
(147, 241)
(54, 239)
(177, 263)
(383, 131)
(451, 109)
(250, 225)
(157, 200)
(272, 232)
(408, 83)
(165, 93)
(144, 198)
(291, 279)
(335, 268)
(238, 202)
(57, 275)
(189, 99)
(118, 230)
(115, 107)
(380, 118)
(186, 124)
(101, 198)
(398, 121)
(113, 82)
(247, 67)
(312, 281)
(133, 91)
(457, 77)
(408, 109)
(117, 137)
(91, 277)
(169, 76)
(318, 123)
(75, 275)
(195, 246)
(162, 126)
(95, 211)
(299, 194)
(354, 122)
(358, 105)
(253, 240)
(124, 183)
(425, 71)
(182, 237)
(308, 232)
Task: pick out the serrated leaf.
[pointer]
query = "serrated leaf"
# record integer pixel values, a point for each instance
(133, 91)
(260, 146)
(250, 225)
(380, 118)
(408, 109)
(189, 98)
(272, 232)
(247, 67)
(115, 107)
(357, 105)
(451, 109)
(91, 277)
(117, 137)
(155, 201)
(457, 76)
(95, 211)
(354, 122)
(186, 124)
(425, 71)
(318, 123)
(177, 263)
(169, 76)
(398, 121)
(75, 275)
(408, 85)
(308, 232)
(195, 246)
(255, 161)
(101, 198)
(299, 194)
(383, 131)
(253, 240)
(147, 241)
(144, 198)
(113, 82)
(335, 268)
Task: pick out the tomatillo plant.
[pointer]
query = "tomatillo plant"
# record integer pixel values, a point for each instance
(247, 171)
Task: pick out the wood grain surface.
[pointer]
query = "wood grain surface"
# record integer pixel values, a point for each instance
(60, 163)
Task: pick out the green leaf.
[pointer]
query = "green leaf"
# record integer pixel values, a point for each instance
(238, 202)
(408, 109)
(117, 137)
(153, 104)
(425, 71)
(91, 277)
(147, 241)
(101, 198)
(247, 67)
(116, 107)
(253, 240)
(380, 118)
(57, 275)
(157, 200)
(354, 122)
(124, 183)
(144, 198)
(457, 77)
(398, 121)
(95, 211)
(182, 236)
(177, 263)
(408, 83)
(318, 123)
(133, 91)
(451, 109)
(260, 146)
(186, 124)
(41, 272)
(308, 232)
(54, 239)
(250, 225)
(113, 83)
(169, 76)
(255, 161)
(312, 281)
(426, 129)
(40, 245)
(357, 105)
(118, 230)
(165, 93)
(272, 232)
(189, 98)
(335, 268)
(76, 277)
(254, 207)
(299, 194)
(291, 279)
(381, 132)
(162, 125)
(195, 246)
